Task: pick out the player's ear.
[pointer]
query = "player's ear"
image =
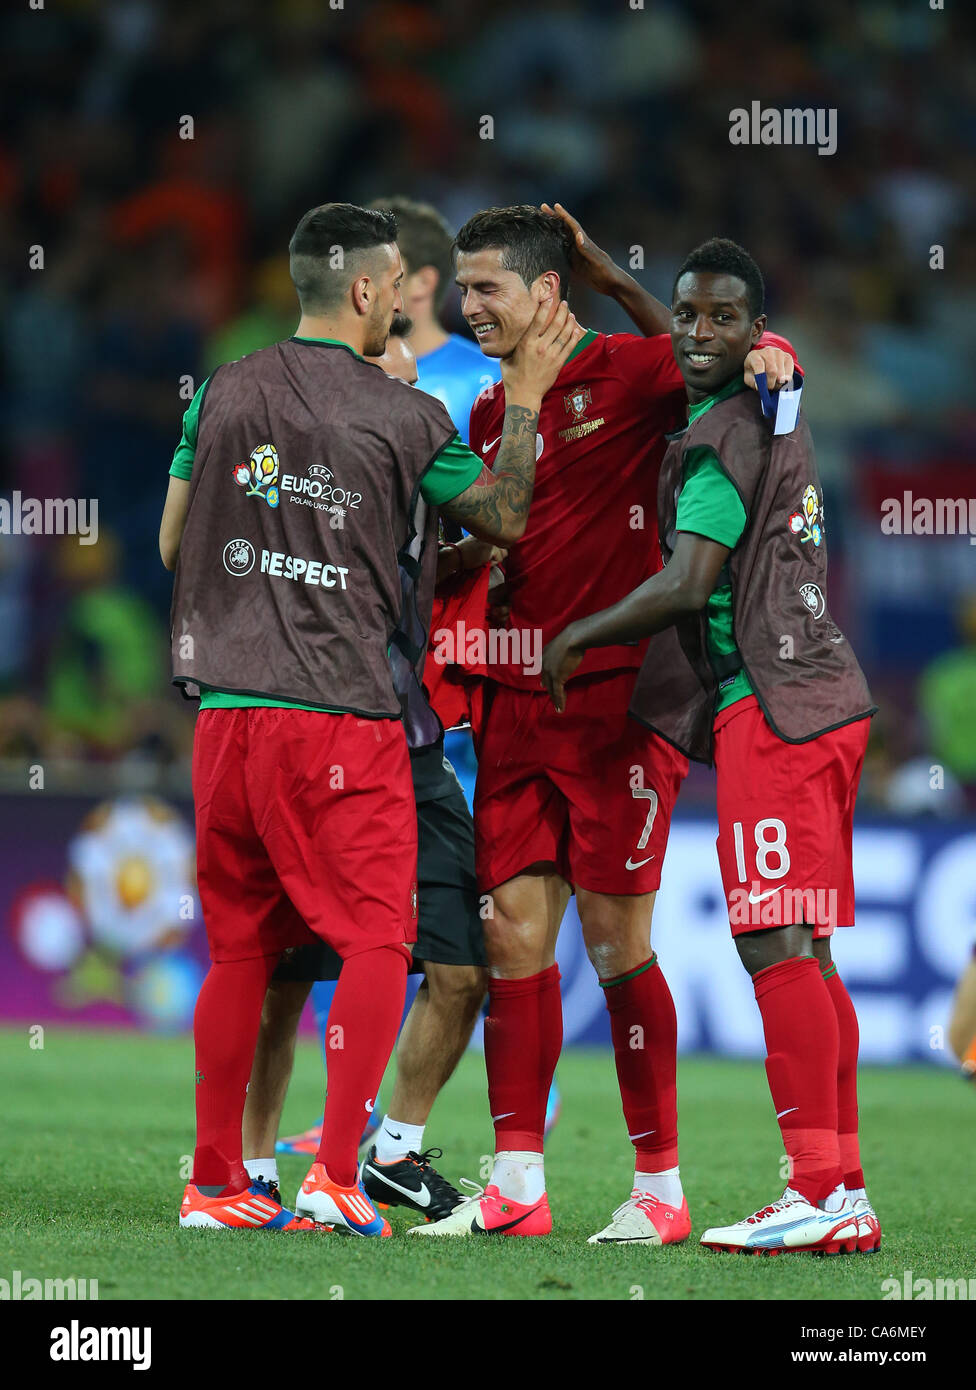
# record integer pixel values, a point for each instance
(758, 328)
(547, 286)
(362, 294)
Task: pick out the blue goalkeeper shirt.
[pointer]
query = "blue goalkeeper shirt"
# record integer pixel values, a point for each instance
(456, 373)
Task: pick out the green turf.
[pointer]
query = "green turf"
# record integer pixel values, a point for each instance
(97, 1125)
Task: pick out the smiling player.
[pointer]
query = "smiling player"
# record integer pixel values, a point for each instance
(583, 802)
(748, 669)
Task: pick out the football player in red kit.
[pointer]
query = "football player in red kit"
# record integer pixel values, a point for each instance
(581, 801)
(745, 668)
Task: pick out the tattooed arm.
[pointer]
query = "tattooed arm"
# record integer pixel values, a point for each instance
(496, 506)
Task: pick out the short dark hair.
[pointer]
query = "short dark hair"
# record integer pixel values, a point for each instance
(424, 237)
(719, 256)
(531, 241)
(321, 284)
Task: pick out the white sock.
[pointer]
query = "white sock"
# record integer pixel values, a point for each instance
(856, 1194)
(665, 1186)
(519, 1175)
(394, 1140)
(836, 1199)
(264, 1168)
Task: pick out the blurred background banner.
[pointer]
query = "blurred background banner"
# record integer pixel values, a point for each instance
(154, 160)
(102, 921)
(92, 936)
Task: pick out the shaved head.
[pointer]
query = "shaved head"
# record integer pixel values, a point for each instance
(333, 246)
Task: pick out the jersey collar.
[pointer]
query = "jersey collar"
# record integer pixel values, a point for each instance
(582, 345)
(731, 388)
(329, 342)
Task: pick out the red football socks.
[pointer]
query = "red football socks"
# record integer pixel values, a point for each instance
(850, 1153)
(225, 1032)
(523, 1039)
(645, 1044)
(363, 1023)
(802, 1045)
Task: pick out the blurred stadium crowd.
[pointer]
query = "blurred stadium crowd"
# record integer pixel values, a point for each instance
(163, 256)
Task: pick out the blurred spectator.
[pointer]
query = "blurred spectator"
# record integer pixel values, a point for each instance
(300, 110)
(15, 613)
(947, 699)
(270, 314)
(146, 348)
(108, 654)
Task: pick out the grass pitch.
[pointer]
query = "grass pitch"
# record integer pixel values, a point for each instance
(98, 1127)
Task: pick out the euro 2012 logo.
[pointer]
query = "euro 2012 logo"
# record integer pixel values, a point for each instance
(809, 519)
(259, 474)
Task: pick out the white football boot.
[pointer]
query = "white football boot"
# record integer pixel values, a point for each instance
(645, 1220)
(868, 1227)
(789, 1224)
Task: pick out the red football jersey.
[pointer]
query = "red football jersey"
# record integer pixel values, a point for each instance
(592, 531)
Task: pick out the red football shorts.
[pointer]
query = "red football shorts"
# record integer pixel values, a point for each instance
(589, 790)
(785, 814)
(306, 828)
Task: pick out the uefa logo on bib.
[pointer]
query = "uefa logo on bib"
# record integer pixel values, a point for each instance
(239, 557)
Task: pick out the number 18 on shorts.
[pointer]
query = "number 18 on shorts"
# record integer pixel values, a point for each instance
(785, 813)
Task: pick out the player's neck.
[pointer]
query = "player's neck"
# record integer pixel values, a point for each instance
(427, 336)
(697, 394)
(340, 330)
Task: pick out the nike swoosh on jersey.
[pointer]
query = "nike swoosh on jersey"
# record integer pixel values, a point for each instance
(502, 1117)
(490, 445)
(420, 1195)
(754, 898)
(640, 863)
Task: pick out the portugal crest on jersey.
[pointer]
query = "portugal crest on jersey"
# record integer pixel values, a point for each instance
(577, 401)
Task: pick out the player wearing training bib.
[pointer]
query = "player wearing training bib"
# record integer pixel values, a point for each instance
(315, 480)
(746, 669)
(449, 950)
(580, 802)
(450, 935)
